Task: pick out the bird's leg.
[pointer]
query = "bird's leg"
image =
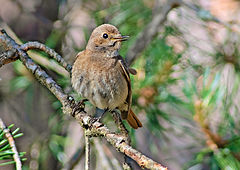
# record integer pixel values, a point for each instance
(79, 107)
(99, 114)
(119, 122)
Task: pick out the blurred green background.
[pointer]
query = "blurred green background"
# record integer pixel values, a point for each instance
(186, 92)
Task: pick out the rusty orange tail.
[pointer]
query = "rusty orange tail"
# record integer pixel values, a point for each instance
(133, 121)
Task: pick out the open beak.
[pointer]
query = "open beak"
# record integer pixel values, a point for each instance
(121, 38)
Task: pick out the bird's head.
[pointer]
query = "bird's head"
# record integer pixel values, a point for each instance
(105, 37)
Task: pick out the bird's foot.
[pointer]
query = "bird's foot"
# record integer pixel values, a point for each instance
(79, 107)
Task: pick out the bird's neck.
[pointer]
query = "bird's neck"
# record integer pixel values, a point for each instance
(113, 53)
(105, 53)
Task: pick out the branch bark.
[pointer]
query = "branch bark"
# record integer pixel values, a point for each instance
(120, 142)
(7, 57)
(36, 45)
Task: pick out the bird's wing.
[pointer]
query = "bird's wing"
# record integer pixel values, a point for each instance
(127, 76)
(129, 69)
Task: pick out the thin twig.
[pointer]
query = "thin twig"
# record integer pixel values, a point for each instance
(11, 142)
(36, 45)
(93, 129)
(87, 151)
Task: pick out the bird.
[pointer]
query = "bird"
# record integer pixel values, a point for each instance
(101, 75)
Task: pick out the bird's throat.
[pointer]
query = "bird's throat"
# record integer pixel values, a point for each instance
(113, 53)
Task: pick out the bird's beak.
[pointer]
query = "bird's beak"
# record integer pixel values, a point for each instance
(121, 38)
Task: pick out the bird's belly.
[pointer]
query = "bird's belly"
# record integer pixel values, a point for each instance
(104, 89)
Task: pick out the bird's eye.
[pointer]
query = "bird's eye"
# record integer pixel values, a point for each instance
(105, 36)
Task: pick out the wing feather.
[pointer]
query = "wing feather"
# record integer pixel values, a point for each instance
(127, 76)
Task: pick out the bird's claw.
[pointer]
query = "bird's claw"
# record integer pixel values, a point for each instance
(79, 107)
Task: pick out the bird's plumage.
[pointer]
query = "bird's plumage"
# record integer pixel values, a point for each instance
(101, 75)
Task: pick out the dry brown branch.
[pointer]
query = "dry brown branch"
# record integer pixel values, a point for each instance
(92, 129)
(12, 144)
(151, 30)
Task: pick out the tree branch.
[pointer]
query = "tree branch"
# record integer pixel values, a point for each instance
(11, 142)
(36, 45)
(8, 57)
(10, 53)
(93, 129)
(87, 151)
(36, 56)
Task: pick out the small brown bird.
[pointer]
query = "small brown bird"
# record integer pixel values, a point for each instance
(101, 75)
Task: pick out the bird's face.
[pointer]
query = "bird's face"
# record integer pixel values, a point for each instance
(104, 38)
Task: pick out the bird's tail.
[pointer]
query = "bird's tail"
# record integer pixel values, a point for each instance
(133, 121)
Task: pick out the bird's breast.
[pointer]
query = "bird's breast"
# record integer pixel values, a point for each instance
(103, 84)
